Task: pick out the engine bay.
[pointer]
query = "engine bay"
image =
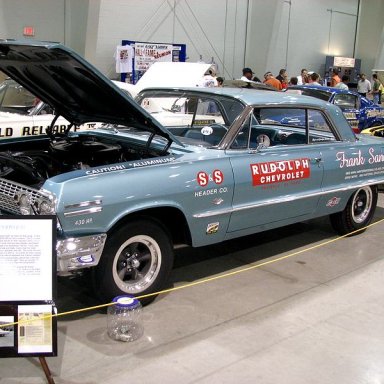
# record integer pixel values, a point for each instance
(32, 165)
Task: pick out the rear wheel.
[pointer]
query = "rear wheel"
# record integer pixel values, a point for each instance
(358, 213)
(137, 260)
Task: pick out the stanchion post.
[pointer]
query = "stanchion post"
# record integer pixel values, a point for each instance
(46, 370)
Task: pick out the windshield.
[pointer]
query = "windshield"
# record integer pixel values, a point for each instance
(15, 98)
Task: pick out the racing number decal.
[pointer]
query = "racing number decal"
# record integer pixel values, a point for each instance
(203, 178)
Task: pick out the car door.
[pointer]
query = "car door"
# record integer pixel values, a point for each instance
(279, 175)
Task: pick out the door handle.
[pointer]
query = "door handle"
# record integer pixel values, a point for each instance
(317, 160)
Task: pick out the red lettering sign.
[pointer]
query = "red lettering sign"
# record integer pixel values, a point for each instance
(280, 171)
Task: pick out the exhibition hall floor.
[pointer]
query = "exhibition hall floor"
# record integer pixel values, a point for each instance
(312, 317)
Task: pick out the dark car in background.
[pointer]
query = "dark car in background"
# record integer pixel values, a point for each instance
(360, 112)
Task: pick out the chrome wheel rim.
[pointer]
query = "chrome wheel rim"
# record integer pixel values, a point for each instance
(362, 204)
(136, 264)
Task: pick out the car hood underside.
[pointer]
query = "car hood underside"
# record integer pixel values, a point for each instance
(72, 86)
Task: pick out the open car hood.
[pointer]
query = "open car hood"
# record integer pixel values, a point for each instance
(72, 86)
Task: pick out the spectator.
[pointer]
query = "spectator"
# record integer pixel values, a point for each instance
(247, 74)
(303, 78)
(314, 79)
(376, 89)
(281, 75)
(343, 83)
(272, 81)
(363, 85)
(335, 79)
(220, 81)
(209, 79)
(255, 78)
(285, 81)
(293, 81)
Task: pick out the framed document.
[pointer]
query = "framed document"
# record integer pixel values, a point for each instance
(28, 286)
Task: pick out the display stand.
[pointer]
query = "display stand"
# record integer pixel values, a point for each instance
(146, 53)
(46, 370)
(28, 288)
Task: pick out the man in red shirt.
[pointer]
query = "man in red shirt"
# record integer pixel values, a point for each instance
(335, 79)
(272, 81)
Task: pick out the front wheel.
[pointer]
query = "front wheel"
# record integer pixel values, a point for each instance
(137, 260)
(358, 213)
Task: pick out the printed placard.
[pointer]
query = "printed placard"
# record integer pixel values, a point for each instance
(27, 258)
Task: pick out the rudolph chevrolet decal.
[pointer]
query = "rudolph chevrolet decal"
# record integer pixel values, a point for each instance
(280, 171)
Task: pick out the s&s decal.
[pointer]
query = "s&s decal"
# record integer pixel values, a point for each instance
(204, 178)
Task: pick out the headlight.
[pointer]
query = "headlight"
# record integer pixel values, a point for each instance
(46, 208)
(35, 204)
(25, 205)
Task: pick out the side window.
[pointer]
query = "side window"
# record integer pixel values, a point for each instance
(268, 127)
(345, 101)
(319, 129)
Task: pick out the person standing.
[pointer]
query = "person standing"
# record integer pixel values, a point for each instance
(281, 75)
(314, 79)
(363, 85)
(272, 81)
(303, 77)
(247, 74)
(376, 89)
(343, 83)
(335, 79)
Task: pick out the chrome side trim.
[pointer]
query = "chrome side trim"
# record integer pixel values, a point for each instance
(89, 207)
(84, 204)
(285, 199)
(87, 211)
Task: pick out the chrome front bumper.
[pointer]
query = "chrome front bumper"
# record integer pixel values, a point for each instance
(76, 253)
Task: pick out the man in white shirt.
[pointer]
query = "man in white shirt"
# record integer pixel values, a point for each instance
(303, 77)
(363, 85)
(247, 74)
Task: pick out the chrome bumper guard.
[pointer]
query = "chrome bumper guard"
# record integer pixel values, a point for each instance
(79, 252)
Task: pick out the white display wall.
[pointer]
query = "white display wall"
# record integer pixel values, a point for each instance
(262, 34)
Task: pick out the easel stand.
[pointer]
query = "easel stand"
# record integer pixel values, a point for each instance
(46, 370)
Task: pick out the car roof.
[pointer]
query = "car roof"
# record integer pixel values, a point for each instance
(323, 89)
(248, 96)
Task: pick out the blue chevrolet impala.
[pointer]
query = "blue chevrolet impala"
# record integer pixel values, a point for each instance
(226, 166)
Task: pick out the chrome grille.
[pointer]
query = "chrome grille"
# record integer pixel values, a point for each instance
(8, 196)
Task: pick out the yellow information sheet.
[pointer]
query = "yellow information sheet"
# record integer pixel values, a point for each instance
(35, 328)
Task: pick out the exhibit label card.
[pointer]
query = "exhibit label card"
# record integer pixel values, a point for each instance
(35, 328)
(26, 259)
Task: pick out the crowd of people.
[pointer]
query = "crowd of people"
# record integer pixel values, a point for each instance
(282, 82)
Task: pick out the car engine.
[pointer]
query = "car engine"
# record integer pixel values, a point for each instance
(33, 166)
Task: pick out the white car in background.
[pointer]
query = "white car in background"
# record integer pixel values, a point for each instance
(23, 115)
(168, 74)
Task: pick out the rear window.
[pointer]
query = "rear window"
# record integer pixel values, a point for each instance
(189, 109)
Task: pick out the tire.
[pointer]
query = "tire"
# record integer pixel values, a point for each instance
(358, 213)
(137, 260)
